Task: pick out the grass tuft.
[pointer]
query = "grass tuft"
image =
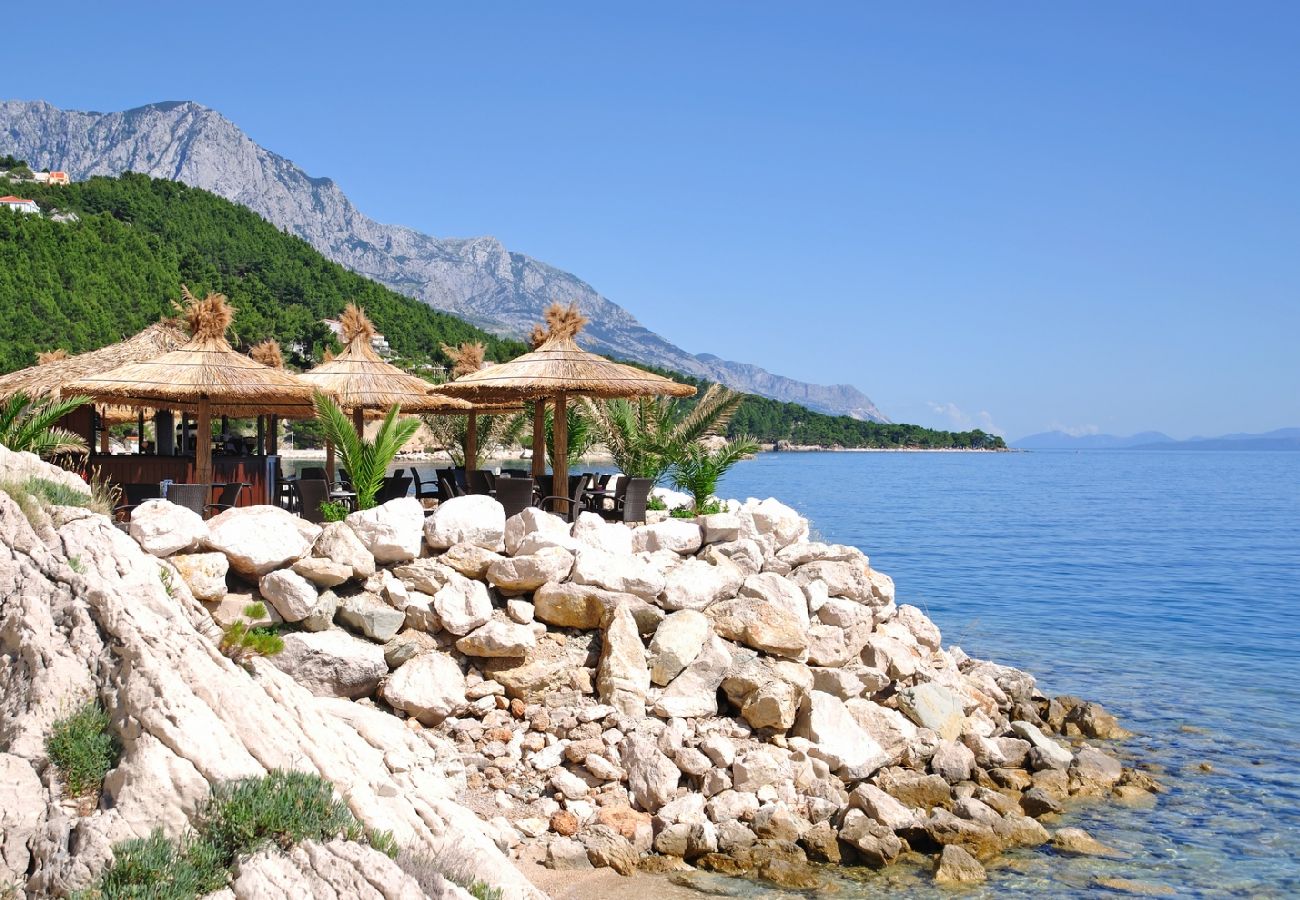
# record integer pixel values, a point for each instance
(160, 869)
(83, 749)
(451, 863)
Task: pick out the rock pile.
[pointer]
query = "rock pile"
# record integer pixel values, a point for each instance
(724, 690)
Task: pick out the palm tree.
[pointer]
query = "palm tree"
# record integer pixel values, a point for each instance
(495, 433)
(645, 435)
(28, 424)
(582, 434)
(366, 461)
(697, 469)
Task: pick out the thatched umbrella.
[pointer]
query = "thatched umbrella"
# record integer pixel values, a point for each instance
(556, 369)
(205, 374)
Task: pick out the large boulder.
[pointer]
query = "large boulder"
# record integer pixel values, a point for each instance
(261, 539)
(366, 614)
(340, 544)
(625, 574)
(777, 591)
(332, 663)
(772, 517)
(324, 573)
(548, 527)
(697, 584)
(524, 574)
(839, 740)
(462, 604)
(498, 638)
(429, 687)
(889, 728)
(849, 579)
(22, 814)
(760, 624)
(933, 706)
(694, 693)
(473, 519)
(575, 605)
(470, 560)
(622, 678)
(677, 641)
(592, 531)
(205, 573)
(392, 532)
(681, 536)
(293, 596)
(163, 528)
(651, 776)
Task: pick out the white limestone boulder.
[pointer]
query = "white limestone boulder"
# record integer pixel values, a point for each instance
(498, 638)
(533, 521)
(592, 531)
(523, 574)
(760, 624)
(163, 528)
(625, 574)
(429, 687)
(205, 573)
(677, 641)
(338, 543)
(392, 532)
(462, 604)
(473, 519)
(697, 584)
(293, 596)
(772, 517)
(933, 706)
(838, 739)
(681, 536)
(324, 573)
(332, 663)
(261, 539)
(622, 678)
(694, 693)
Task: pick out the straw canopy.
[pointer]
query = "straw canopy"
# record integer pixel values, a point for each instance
(204, 369)
(54, 372)
(358, 379)
(555, 370)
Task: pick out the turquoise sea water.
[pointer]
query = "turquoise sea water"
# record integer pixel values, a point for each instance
(1164, 585)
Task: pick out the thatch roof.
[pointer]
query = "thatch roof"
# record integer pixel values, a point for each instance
(49, 378)
(204, 368)
(358, 379)
(560, 366)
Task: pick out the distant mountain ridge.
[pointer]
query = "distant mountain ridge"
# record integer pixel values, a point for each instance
(477, 279)
(1280, 439)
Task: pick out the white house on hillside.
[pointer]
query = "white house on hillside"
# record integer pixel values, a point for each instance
(20, 204)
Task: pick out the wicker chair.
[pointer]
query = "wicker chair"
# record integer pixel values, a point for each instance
(425, 489)
(515, 494)
(191, 496)
(310, 494)
(134, 495)
(630, 500)
(573, 503)
(395, 486)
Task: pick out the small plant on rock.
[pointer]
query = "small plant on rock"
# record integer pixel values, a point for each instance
(280, 809)
(334, 511)
(241, 641)
(83, 749)
(157, 867)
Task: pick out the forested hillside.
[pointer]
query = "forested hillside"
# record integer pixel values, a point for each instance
(108, 257)
(83, 284)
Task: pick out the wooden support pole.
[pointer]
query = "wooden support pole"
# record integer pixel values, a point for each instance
(103, 433)
(471, 442)
(261, 435)
(203, 443)
(359, 421)
(273, 448)
(539, 438)
(560, 464)
(329, 462)
(139, 431)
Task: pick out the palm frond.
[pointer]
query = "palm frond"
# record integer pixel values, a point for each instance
(29, 425)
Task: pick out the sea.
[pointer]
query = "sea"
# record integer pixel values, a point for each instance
(1164, 585)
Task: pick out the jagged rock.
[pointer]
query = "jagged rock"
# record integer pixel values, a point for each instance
(850, 580)
(913, 789)
(22, 814)
(406, 645)
(694, 692)
(622, 678)
(321, 617)
(1050, 754)
(953, 762)
(677, 535)
(470, 560)
(773, 821)
(606, 848)
(340, 544)
(1096, 767)
(773, 704)
(651, 776)
(231, 608)
(827, 646)
(573, 605)
(367, 615)
(933, 706)
(324, 573)
(1077, 842)
(1092, 720)
(757, 768)
(777, 591)
(534, 521)
(837, 737)
(163, 528)
(593, 531)
(332, 663)
(335, 869)
(261, 539)
(873, 843)
(293, 596)
(462, 604)
(524, 574)
(772, 517)
(1037, 802)
(205, 573)
(564, 853)
(719, 527)
(392, 532)
(430, 687)
(677, 641)
(498, 638)
(745, 554)
(623, 574)
(697, 584)
(473, 519)
(761, 625)
(881, 807)
(956, 866)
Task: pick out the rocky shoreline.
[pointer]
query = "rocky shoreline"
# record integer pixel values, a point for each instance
(720, 693)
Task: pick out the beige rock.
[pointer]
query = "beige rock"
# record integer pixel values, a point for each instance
(335, 869)
(462, 604)
(324, 573)
(392, 532)
(651, 776)
(933, 706)
(592, 531)
(261, 539)
(332, 663)
(163, 528)
(205, 573)
(470, 560)
(293, 596)
(23, 802)
(696, 584)
(524, 574)
(956, 866)
(617, 573)
(681, 536)
(534, 521)
(340, 544)
(845, 745)
(677, 641)
(498, 638)
(430, 687)
(694, 692)
(760, 624)
(622, 678)
(473, 519)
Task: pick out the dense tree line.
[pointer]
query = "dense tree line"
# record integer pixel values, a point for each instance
(80, 285)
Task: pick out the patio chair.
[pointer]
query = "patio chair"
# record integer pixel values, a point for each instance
(479, 482)
(191, 496)
(313, 472)
(228, 498)
(394, 486)
(573, 503)
(515, 494)
(630, 500)
(310, 493)
(447, 486)
(425, 489)
(133, 495)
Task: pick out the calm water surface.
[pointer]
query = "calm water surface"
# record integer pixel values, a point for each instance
(1164, 585)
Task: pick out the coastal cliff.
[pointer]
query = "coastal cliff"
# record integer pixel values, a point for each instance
(722, 693)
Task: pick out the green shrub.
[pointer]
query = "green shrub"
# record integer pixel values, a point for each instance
(334, 511)
(655, 502)
(160, 869)
(83, 749)
(280, 808)
(241, 641)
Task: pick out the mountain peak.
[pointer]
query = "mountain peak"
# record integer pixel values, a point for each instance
(475, 278)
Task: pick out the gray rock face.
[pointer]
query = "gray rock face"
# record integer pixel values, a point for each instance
(477, 279)
(332, 663)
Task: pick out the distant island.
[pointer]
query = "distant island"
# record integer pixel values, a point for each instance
(1280, 439)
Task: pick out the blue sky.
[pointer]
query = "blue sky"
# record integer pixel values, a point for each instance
(1017, 215)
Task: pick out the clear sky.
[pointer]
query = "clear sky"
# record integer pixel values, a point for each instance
(1020, 215)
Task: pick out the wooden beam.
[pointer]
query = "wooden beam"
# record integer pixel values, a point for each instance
(539, 438)
(471, 442)
(359, 421)
(273, 447)
(203, 442)
(560, 464)
(329, 462)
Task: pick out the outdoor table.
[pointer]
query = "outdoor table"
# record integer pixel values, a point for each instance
(348, 497)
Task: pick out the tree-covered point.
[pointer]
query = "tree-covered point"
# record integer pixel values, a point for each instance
(80, 285)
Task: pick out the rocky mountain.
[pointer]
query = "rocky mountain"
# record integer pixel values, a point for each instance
(477, 279)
